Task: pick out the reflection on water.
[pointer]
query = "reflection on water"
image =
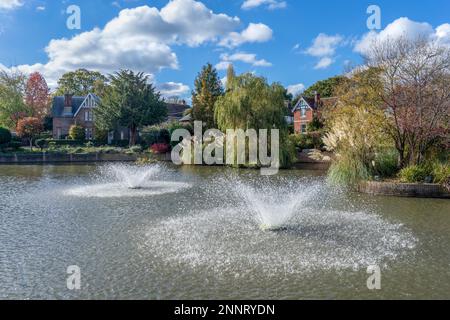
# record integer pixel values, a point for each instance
(166, 232)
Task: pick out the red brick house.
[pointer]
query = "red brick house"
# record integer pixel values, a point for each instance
(307, 108)
(69, 110)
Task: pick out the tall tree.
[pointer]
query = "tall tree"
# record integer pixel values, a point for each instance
(130, 101)
(37, 95)
(81, 82)
(231, 75)
(12, 105)
(208, 88)
(414, 89)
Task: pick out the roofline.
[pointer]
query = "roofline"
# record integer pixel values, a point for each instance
(87, 96)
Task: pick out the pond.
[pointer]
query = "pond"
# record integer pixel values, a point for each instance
(166, 232)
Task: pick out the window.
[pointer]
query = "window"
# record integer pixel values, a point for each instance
(88, 116)
(88, 133)
(58, 133)
(304, 128)
(303, 112)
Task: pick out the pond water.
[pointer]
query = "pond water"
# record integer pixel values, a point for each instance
(165, 232)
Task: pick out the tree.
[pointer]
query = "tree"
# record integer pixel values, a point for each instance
(12, 106)
(208, 88)
(37, 95)
(252, 103)
(326, 87)
(29, 128)
(81, 82)
(131, 102)
(414, 90)
(5, 136)
(231, 75)
(77, 133)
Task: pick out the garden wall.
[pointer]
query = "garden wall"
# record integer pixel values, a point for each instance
(404, 189)
(64, 158)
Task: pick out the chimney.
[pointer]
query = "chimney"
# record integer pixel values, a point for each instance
(316, 99)
(68, 100)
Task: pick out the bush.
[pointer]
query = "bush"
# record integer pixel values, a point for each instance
(77, 133)
(121, 143)
(60, 142)
(5, 136)
(100, 136)
(441, 172)
(347, 172)
(136, 149)
(41, 143)
(415, 173)
(160, 148)
(385, 163)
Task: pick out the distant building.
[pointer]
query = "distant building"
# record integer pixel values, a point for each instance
(71, 110)
(307, 108)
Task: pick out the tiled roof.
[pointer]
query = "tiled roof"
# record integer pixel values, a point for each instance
(58, 105)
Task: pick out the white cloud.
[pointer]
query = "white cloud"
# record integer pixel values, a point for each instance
(10, 4)
(324, 63)
(296, 89)
(255, 32)
(137, 39)
(324, 45)
(404, 27)
(249, 58)
(270, 4)
(170, 89)
(40, 8)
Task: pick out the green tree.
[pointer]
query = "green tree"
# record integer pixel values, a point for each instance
(208, 88)
(81, 82)
(326, 87)
(12, 104)
(131, 102)
(252, 103)
(77, 133)
(231, 75)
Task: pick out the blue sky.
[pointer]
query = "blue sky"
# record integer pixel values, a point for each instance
(295, 42)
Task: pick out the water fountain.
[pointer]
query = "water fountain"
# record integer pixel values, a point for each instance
(125, 180)
(303, 225)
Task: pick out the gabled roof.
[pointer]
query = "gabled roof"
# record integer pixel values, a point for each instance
(58, 106)
(311, 103)
(77, 102)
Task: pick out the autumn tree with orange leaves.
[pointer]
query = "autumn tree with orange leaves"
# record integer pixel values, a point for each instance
(37, 95)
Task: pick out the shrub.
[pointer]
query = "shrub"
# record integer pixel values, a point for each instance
(441, 172)
(414, 174)
(77, 133)
(5, 136)
(60, 142)
(136, 149)
(160, 148)
(100, 136)
(385, 163)
(347, 172)
(41, 143)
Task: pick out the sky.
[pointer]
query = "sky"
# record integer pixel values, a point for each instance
(294, 42)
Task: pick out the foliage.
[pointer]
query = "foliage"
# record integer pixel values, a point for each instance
(12, 105)
(347, 172)
(414, 89)
(160, 148)
(77, 133)
(29, 128)
(101, 136)
(385, 163)
(356, 129)
(251, 103)
(5, 136)
(415, 173)
(311, 140)
(131, 102)
(441, 172)
(326, 88)
(208, 88)
(37, 95)
(81, 82)
(41, 143)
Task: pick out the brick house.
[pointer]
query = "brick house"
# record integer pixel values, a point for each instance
(307, 108)
(71, 110)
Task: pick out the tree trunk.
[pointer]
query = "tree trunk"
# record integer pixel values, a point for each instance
(31, 144)
(133, 133)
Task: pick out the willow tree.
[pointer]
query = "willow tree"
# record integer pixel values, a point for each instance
(130, 101)
(208, 88)
(251, 103)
